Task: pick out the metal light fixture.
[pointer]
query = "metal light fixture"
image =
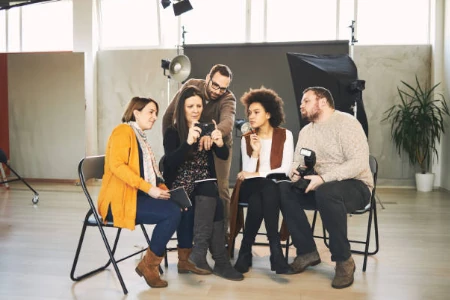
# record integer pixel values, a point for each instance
(181, 7)
(165, 3)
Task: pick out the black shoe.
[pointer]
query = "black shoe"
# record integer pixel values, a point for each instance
(277, 261)
(281, 266)
(243, 263)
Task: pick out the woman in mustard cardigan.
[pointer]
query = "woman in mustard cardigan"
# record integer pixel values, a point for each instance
(133, 192)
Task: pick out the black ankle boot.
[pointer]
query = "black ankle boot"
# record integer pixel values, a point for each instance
(277, 261)
(244, 262)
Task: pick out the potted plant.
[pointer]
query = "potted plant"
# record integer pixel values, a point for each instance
(416, 127)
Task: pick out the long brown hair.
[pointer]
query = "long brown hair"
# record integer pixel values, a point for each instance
(180, 115)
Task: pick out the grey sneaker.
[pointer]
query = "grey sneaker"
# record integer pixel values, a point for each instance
(301, 262)
(344, 274)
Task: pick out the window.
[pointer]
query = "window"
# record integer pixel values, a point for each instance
(2, 31)
(129, 23)
(301, 20)
(47, 26)
(257, 22)
(346, 16)
(215, 21)
(393, 22)
(14, 30)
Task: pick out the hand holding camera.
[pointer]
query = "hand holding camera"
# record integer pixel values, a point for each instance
(194, 134)
(306, 170)
(206, 128)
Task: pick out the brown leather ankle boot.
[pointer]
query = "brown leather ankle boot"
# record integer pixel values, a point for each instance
(344, 274)
(149, 268)
(184, 266)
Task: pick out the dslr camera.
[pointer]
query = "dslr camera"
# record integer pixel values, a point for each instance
(206, 128)
(307, 169)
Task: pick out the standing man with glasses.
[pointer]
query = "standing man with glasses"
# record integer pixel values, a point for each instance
(221, 107)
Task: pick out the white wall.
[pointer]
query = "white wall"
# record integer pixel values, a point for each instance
(46, 114)
(123, 75)
(383, 68)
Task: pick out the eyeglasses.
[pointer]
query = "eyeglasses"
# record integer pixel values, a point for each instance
(216, 87)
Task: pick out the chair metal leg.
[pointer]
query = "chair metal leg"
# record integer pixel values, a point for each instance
(111, 258)
(288, 244)
(77, 254)
(369, 225)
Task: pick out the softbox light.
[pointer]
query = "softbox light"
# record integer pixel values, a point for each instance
(337, 73)
(181, 7)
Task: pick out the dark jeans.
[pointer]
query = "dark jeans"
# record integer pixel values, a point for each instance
(263, 198)
(334, 200)
(168, 218)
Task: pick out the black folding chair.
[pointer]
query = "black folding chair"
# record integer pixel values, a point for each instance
(371, 208)
(89, 168)
(4, 160)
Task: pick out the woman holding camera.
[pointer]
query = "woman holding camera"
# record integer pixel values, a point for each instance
(267, 149)
(189, 165)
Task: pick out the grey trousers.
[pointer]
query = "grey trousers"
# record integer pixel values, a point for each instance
(223, 182)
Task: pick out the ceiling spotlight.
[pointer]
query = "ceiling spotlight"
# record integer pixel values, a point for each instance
(181, 7)
(165, 3)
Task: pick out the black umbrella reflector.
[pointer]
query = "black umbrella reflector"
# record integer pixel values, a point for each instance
(337, 73)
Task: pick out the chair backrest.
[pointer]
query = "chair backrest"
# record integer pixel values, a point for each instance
(91, 167)
(374, 169)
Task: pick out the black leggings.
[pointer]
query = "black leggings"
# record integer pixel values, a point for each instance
(263, 198)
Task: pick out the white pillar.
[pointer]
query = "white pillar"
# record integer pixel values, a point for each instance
(437, 21)
(85, 39)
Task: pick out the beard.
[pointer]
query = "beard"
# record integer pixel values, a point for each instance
(313, 115)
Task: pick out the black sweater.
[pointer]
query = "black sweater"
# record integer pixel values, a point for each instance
(176, 153)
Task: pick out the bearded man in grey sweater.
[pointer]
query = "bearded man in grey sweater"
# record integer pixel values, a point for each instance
(342, 184)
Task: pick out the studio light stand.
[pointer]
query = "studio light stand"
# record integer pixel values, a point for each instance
(178, 69)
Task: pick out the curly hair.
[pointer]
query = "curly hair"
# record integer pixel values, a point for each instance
(269, 99)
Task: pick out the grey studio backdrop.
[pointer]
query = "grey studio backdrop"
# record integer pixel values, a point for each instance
(256, 65)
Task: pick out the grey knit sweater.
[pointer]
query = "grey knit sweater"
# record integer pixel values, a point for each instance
(341, 148)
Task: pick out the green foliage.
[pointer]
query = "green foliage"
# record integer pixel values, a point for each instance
(417, 123)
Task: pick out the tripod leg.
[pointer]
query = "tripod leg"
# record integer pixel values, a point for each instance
(379, 201)
(2, 173)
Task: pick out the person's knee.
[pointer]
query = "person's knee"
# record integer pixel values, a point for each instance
(284, 190)
(174, 214)
(325, 192)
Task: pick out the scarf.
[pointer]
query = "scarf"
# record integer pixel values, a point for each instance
(151, 172)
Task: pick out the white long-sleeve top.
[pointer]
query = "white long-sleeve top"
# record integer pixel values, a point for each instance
(249, 163)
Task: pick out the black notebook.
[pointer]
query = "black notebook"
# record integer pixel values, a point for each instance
(180, 197)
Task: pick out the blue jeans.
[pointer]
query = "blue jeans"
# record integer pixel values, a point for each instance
(168, 218)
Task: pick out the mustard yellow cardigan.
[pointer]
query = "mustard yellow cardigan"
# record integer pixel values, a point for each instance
(121, 179)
